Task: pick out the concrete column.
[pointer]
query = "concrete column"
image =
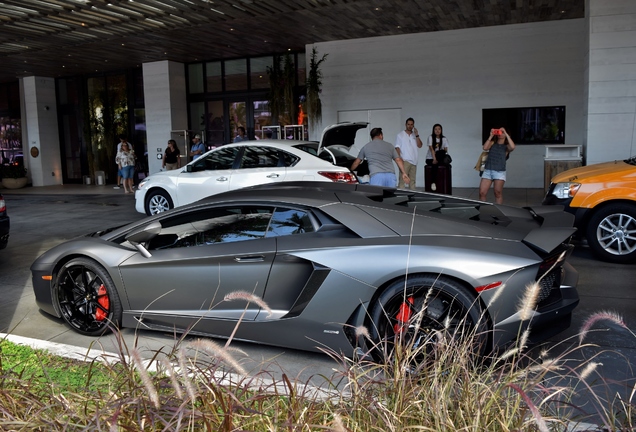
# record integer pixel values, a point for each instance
(166, 106)
(39, 130)
(610, 80)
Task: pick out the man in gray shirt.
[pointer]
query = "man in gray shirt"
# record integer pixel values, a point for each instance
(380, 155)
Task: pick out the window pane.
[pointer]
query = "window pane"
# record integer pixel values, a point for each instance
(262, 117)
(260, 157)
(213, 226)
(300, 67)
(214, 76)
(197, 116)
(222, 159)
(195, 78)
(289, 159)
(288, 222)
(258, 72)
(237, 117)
(236, 75)
(215, 125)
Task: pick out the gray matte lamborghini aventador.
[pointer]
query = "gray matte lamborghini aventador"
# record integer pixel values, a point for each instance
(323, 259)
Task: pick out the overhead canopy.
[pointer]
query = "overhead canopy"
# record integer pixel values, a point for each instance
(68, 37)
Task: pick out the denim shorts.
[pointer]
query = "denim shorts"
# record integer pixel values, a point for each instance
(127, 172)
(494, 175)
(383, 179)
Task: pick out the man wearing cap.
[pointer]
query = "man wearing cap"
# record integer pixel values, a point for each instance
(197, 148)
(380, 155)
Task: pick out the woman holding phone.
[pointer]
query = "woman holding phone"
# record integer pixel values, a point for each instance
(498, 145)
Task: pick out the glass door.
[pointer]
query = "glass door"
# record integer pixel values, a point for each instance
(238, 117)
(215, 125)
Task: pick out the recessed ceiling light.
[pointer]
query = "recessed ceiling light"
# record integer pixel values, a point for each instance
(231, 29)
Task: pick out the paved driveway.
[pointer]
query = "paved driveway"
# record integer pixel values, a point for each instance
(39, 222)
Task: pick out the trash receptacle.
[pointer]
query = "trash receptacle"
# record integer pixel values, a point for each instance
(87, 180)
(101, 177)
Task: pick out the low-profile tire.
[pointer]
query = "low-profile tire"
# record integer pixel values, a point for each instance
(158, 201)
(611, 233)
(450, 309)
(86, 297)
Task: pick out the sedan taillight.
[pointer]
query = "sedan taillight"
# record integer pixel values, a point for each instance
(339, 177)
(3, 206)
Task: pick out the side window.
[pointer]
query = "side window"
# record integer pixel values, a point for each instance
(222, 159)
(289, 159)
(289, 222)
(260, 157)
(211, 226)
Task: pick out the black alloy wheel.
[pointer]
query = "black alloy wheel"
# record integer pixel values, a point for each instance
(611, 233)
(415, 314)
(158, 201)
(87, 297)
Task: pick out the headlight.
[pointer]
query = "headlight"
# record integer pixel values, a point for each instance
(142, 183)
(565, 190)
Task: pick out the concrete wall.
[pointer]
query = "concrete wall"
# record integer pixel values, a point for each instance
(611, 90)
(166, 106)
(39, 130)
(449, 77)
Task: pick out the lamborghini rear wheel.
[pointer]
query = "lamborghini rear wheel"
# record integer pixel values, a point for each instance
(87, 297)
(411, 318)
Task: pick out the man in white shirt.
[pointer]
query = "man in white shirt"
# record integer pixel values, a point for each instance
(407, 144)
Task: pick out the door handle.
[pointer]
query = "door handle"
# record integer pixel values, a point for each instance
(250, 259)
(274, 175)
(222, 179)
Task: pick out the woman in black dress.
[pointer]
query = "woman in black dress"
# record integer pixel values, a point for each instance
(171, 159)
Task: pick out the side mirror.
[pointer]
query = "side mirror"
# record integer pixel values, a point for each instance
(189, 168)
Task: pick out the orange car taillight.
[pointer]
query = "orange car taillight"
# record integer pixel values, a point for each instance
(340, 177)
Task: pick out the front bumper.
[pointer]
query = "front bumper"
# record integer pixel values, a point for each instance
(580, 214)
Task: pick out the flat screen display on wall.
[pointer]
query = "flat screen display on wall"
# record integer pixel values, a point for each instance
(532, 125)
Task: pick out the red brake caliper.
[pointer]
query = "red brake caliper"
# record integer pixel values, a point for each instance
(403, 316)
(103, 301)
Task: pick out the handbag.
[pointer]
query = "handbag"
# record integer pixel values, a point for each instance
(443, 158)
(481, 161)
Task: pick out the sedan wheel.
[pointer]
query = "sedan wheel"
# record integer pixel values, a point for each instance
(611, 233)
(158, 201)
(417, 314)
(87, 297)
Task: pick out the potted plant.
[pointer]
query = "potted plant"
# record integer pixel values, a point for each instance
(14, 176)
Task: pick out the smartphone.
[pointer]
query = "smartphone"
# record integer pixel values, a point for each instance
(497, 132)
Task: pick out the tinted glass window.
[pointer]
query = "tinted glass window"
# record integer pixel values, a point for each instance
(288, 222)
(260, 157)
(213, 226)
(289, 159)
(309, 148)
(222, 159)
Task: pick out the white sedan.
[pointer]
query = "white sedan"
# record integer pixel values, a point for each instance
(235, 166)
